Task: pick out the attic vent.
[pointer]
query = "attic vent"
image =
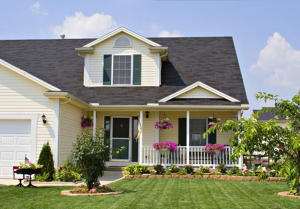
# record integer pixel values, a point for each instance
(122, 41)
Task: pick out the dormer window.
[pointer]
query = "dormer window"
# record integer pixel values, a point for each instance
(122, 41)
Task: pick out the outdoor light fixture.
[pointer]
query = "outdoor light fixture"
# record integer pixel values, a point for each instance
(44, 118)
(147, 114)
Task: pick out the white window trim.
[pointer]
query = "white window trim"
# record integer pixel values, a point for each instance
(112, 67)
(114, 45)
(33, 118)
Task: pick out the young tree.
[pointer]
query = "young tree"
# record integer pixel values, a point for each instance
(250, 135)
(46, 159)
(91, 153)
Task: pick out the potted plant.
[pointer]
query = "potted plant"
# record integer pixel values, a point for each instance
(86, 121)
(170, 146)
(214, 148)
(257, 163)
(164, 124)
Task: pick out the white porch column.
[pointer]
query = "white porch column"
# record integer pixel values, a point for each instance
(156, 133)
(188, 137)
(55, 142)
(241, 157)
(141, 139)
(94, 122)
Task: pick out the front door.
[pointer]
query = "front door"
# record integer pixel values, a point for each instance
(121, 137)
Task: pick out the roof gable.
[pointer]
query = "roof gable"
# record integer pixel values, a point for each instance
(199, 90)
(120, 30)
(29, 76)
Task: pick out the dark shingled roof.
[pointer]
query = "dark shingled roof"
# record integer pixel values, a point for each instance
(265, 116)
(212, 61)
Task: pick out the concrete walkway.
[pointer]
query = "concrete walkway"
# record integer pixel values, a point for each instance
(108, 177)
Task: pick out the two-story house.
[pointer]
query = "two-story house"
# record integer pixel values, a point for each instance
(115, 79)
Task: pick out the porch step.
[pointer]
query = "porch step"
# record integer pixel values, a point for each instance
(115, 168)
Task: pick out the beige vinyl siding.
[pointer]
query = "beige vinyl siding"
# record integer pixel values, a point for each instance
(138, 47)
(19, 95)
(199, 92)
(171, 135)
(70, 128)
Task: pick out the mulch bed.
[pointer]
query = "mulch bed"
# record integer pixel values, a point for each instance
(68, 193)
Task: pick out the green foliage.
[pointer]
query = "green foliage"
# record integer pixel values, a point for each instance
(199, 173)
(189, 168)
(229, 173)
(218, 173)
(250, 174)
(90, 153)
(46, 159)
(174, 168)
(159, 168)
(67, 175)
(273, 174)
(221, 168)
(204, 169)
(153, 173)
(41, 178)
(235, 169)
(239, 173)
(29, 166)
(168, 173)
(273, 140)
(136, 168)
(263, 175)
(182, 172)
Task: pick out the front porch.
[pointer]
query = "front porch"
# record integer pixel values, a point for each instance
(189, 126)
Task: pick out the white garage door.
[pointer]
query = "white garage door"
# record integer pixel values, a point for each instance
(15, 143)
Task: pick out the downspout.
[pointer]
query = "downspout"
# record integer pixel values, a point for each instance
(58, 148)
(166, 54)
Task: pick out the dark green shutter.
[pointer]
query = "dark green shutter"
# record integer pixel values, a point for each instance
(107, 132)
(212, 138)
(182, 131)
(107, 69)
(135, 144)
(137, 66)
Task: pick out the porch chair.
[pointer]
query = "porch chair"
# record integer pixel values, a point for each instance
(15, 168)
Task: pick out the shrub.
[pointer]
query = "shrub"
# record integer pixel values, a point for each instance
(273, 174)
(46, 159)
(204, 169)
(199, 173)
(174, 168)
(159, 168)
(250, 174)
(235, 169)
(263, 175)
(229, 173)
(136, 168)
(182, 172)
(189, 168)
(153, 173)
(239, 174)
(66, 175)
(168, 173)
(41, 178)
(91, 152)
(221, 168)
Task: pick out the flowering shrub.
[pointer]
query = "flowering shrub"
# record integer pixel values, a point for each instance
(29, 166)
(189, 168)
(159, 168)
(164, 124)
(86, 122)
(99, 189)
(212, 148)
(169, 145)
(214, 121)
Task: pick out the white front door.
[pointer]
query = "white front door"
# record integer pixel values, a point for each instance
(15, 143)
(121, 136)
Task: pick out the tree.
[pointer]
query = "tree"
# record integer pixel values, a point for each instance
(46, 159)
(91, 152)
(250, 135)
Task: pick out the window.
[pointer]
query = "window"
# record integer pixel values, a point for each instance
(122, 69)
(122, 41)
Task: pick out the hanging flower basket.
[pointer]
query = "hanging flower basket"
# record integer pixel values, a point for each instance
(213, 121)
(171, 146)
(164, 124)
(213, 148)
(86, 122)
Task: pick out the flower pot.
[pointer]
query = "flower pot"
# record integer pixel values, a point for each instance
(257, 165)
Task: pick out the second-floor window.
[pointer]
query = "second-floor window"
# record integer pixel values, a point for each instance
(122, 69)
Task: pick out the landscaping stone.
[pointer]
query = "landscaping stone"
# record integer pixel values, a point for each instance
(145, 176)
(206, 176)
(286, 194)
(129, 176)
(159, 176)
(167, 176)
(190, 176)
(198, 176)
(152, 176)
(273, 178)
(255, 178)
(182, 176)
(281, 179)
(68, 193)
(137, 176)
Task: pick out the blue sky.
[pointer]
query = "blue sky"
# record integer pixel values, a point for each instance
(265, 32)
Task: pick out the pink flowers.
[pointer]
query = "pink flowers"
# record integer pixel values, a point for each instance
(212, 148)
(169, 145)
(86, 122)
(164, 124)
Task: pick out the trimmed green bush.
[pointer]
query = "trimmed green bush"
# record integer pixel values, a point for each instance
(182, 172)
(168, 173)
(46, 159)
(199, 173)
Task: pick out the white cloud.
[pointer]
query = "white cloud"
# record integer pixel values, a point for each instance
(81, 26)
(38, 10)
(280, 61)
(165, 33)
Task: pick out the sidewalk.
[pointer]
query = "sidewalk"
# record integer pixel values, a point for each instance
(108, 177)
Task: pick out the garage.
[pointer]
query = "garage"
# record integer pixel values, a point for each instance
(15, 143)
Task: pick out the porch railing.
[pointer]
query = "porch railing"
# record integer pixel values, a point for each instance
(197, 157)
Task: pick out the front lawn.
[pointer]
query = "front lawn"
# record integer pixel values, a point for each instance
(158, 193)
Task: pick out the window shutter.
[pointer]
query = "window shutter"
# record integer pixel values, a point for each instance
(107, 69)
(135, 144)
(212, 138)
(137, 65)
(182, 131)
